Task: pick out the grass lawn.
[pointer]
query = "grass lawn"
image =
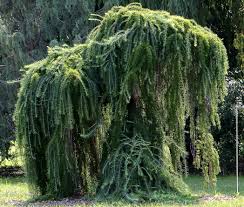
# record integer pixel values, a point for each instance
(13, 191)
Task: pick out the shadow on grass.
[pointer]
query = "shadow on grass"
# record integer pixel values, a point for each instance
(13, 179)
(155, 198)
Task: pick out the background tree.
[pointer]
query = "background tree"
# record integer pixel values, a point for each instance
(11, 57)
(225, 137)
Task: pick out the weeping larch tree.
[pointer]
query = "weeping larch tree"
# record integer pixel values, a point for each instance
(109, 115)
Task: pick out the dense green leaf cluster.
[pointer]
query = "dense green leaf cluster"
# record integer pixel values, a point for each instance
(139, 76)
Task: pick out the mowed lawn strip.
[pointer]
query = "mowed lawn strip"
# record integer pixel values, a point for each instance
(14, 192)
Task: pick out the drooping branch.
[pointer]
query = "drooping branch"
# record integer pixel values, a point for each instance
(149, 71)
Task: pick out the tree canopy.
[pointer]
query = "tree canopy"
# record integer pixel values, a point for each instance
(111, 112)
(33, 25)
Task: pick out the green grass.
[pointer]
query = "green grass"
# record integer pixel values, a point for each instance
(15, 190)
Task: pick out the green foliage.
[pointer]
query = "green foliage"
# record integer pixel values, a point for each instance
(239, 45)
(205, 153)
(140, 75)
(225, 18)
(11, 55)
(133, 171)
(14, 159)
(42, 21)
(46, 120)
